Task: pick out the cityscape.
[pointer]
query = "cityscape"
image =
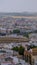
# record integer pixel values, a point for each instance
(18, 40)
(18, 32)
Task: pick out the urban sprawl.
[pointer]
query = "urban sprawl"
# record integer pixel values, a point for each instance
(18, 40)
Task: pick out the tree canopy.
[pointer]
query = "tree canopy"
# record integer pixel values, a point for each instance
(19, 49)
(16, 31)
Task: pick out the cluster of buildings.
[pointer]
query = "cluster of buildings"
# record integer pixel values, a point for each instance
(8, 24)
(30, 55)
(10, 57)
(7, 58)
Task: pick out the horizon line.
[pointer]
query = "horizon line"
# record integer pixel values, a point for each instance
(20, 12)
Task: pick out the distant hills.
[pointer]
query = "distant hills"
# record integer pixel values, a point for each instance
(19, 14)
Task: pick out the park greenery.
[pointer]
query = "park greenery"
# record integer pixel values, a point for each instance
(16, 31)
(26, 35)
(20, 49)
(15, 48)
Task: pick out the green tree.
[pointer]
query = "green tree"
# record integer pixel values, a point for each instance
(21, 50)
(16, 31)
(15, 48)
(26, 35)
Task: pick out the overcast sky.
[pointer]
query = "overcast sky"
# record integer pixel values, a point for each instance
(18, 5)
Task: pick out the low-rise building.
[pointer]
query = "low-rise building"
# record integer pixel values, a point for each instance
(33, 38)
(31, 56)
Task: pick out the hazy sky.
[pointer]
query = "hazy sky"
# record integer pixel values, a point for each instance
(18, 5)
